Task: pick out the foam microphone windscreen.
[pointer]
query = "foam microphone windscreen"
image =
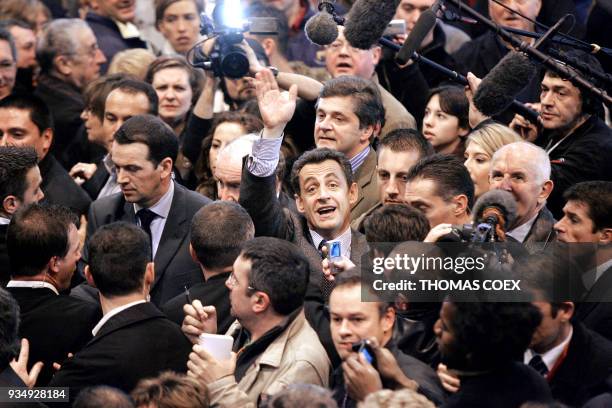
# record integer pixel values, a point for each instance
(501, 85)
(499, 199)
(367, 20)
(321, 29)
(422, 27)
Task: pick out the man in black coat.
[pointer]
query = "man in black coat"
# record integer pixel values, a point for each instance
(577, 141)
(134, 340)
(143, 152)
(586, 220)
(44, 247)
(218, 231)
(577, 360)
(20, 182)
(26, 121)
(69, 59)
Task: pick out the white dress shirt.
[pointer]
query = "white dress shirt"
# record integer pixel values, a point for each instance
(520, 233)
(551, 356)
(32, 285)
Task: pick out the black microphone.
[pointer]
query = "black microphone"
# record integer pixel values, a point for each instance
(496, 203)
(450, 16)
(322, 28)
(550, 32)
(367, 20)
(426, 21)
(507, 79)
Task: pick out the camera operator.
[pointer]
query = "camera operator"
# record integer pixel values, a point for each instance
(353, 321)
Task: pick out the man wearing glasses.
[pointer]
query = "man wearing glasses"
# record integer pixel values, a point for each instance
(274, 345)
(69, 60)
(8, 68)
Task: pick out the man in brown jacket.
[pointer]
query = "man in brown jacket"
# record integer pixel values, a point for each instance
(273, 343)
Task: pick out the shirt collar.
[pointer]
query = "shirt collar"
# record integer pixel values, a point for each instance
(520, 233)
(32, 285)
(589, 278)
(127, 30)
(108, 163)
(551, 356)
(359, 158)
(162, 207)
(113, 312)
(344, 239)
(5, 221)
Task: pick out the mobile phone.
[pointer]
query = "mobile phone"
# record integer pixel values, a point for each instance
(334, 254)
(394, 28)
(363, 347)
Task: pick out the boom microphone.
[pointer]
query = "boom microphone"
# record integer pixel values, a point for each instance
(426, 21)
(367, 20)
(497, 206)
(321, 29)
(498, 88)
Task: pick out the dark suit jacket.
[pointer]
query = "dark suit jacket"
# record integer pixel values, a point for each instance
(212, 292)
(66, 103)
(593, 311)
(8, 378)
(585, 368)
(44, 317)
(506, 387)
(174, 267)
(137, 343)
(366, 180)
(60, 188)
(541, 233)
(258, 197)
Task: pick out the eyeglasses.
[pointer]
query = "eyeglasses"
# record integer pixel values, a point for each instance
(232, 281)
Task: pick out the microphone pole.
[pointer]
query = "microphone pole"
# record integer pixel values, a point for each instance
(516, 106)
(534, 53)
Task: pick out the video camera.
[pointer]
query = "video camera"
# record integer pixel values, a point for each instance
(227, 58)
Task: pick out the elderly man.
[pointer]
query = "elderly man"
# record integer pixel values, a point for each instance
(523, 169)
(69, 59)
(8, 67)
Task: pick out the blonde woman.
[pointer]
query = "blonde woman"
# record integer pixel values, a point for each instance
(480, 145)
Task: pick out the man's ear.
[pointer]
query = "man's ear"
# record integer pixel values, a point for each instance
(63, 65)
(388, 319)
(166, 167)
(299, 203)
(605, 236)
(547, 188)
(566, 311)
(353, 193)
(47, 136)
(376, 54)
(88, 277)
(193, 254)
(461, 205)
(149, 276)
(260, 302)
(10, 204)
(269, 46)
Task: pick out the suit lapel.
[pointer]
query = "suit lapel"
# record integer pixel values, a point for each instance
(173, 234)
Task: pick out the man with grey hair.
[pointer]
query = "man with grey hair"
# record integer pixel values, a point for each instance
(69, 59)
(8, 65)
(523, 169)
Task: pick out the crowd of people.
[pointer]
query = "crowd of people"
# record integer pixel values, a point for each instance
(147, 203)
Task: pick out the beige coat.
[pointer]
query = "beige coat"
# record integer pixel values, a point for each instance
(367, 182)
(296, 356)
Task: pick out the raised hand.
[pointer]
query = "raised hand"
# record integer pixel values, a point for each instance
(276, 107)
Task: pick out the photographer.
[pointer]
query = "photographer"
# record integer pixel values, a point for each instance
(353, 321)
